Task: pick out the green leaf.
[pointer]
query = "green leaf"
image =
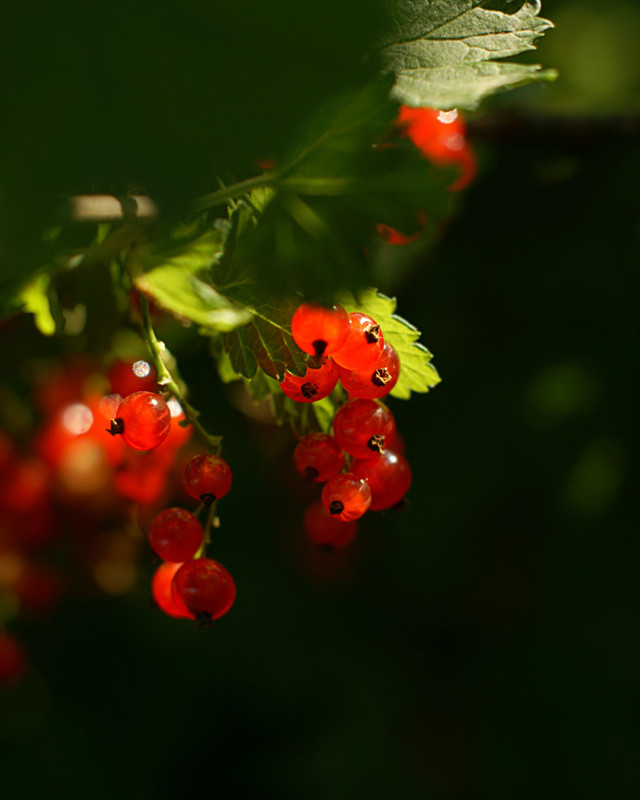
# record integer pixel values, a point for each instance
(443, 52)
(266, 342)
(180, 282)
(35, 300)
(417, 373)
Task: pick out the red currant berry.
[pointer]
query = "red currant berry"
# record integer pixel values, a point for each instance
(207, 478)
(318, 457)
(388, 476)
(346, 496)
(313, 385)
(175, 534)
(363, 344)
(162, 594)
(363, 427)
(318, 330)
(205, 587)
(324, 529)
(372, 383)
(143, 420)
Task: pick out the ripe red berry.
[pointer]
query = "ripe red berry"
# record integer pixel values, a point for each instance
(372, 383)
(363, 427)
(207, 478)
(318, 457)
(143, 419)
(175, 534)
(346, 496)
(441, 136)
(363, 344)
(388, 476)
(323, 528)
(206, 588)
(162, 594)
(318, 330)
(313, 385)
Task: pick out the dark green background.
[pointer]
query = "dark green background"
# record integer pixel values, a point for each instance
(482, 645)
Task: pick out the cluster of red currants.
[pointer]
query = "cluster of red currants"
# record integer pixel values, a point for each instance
(187, 584)
(362, 464)
(350, 348)
(69, 480)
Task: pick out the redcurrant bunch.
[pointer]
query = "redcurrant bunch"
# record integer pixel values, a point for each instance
(351, 348)
(188, 584)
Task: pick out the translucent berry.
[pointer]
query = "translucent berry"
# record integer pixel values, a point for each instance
(388, 476)
(313, 385)
(207, 478)
(175, 534)
(318, 457)
(441, 136)
(143, 420)
(363, 344)
(346, 496)
(372, 383)
(364, 428)
(318, 330)
(323, 528)
(163, 596)
(206, 588)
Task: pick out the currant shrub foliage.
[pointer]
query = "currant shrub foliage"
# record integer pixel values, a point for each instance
(269, 156)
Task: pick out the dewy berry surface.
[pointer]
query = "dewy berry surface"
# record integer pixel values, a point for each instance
(373, 382)
(346, 496)
(175, 534)
(314, 385)
(363, 344)
(319, 330)
(363, 427)
(389, 477)
(207, 478)
(318, 457)
(205, 587)
(143, 419)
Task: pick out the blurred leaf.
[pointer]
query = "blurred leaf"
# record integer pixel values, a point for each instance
(417, 373)
(180, 283)
(443, 52)
(35, 300)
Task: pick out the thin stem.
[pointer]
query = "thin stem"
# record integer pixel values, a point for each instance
(211, 516)
(234, 190)
(165, 378)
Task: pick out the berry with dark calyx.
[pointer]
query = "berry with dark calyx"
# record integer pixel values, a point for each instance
(346, 496)
(363, 345)
(318, 457)
(324, 529)
(319, 330)
(388, 476)
(314, 385)
(206, 588)
(373, 382)
(163, 596)
(143, 420)
(175, 534)
(207, 478)
(364, 428)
